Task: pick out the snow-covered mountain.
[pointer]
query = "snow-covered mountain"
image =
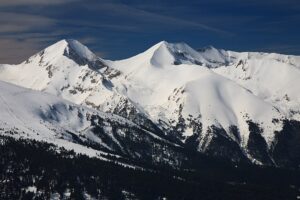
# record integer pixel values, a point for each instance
(28, 114)
(66, 69)
(218, 102)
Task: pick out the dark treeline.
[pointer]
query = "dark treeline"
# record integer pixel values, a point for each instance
(28, 163)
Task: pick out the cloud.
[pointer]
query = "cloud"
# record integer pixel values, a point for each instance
(33, 2)
(147, 18)
(13, 51)
(16, 50)
(17, 22)
(30, 25)
(22, 35)
(80, 24)
(31, 29)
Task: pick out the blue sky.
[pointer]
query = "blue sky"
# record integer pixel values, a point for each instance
(118, 29)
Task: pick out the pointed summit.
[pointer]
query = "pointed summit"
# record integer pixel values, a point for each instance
(70, 47)
(165, 53)
(82, 55)
(65, 51)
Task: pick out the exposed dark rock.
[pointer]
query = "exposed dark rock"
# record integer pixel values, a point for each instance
(49, 68)
(107, 83)
(286, 148)
(72, 54)
(235, 132)
(192, 142)
(257, 146)
(224, 147)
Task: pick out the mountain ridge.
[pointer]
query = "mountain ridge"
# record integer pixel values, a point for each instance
(220, 103)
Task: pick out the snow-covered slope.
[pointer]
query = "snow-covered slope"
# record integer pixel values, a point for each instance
(219, 102)
(192, 97)
(272, 77)
(35, 115)
(40, 116)
(65, 69)
(70, 70)
(198, 91)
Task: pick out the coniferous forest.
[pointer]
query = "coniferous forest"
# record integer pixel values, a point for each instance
(36, 170)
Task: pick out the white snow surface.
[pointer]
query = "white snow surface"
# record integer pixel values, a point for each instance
(160, 87)
(35, 115)
(214, 86)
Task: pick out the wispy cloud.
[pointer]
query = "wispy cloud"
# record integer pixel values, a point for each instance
(113, 26)
(34, 24)
(17, 22)
(13, 51)
(33, 2)
(147, 17)
(21, 35)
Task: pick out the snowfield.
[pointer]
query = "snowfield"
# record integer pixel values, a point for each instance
(193, 96)
(43, 117)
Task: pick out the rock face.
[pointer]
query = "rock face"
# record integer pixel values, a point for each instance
(242, 107)
(286, 147)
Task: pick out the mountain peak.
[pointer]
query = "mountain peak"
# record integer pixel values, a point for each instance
(175, 53)
(67, 49)
(163, 42)
(165, 53)
(180, 46)
(71, 47)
